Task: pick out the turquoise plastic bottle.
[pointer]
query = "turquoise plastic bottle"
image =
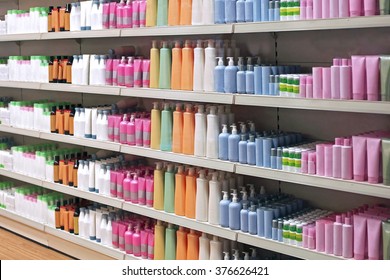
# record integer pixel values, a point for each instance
(169, 190)
(166, 129)
(165, 67)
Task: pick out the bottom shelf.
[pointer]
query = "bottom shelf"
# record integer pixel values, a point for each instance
(65, 242)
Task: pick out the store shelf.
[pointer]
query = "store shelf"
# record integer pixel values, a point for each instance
(283, 248)
(111, 146)
(318, 24)
(374, 107)
(106, 90)
(20, 131)
(181, 221)
(184, 159)
(21, 177)
(378, 190)
(178, 30)
(93, 245)
(24, 85)
(20, 37)
(114, 202)
(209, 97)
(21, 219)
(106, 33)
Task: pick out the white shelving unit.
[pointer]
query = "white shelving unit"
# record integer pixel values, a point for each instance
(290, 46)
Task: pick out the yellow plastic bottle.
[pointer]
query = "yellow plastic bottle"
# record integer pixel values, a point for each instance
(190, 201)
(151, 13)
(155, 135)
(159, 241)
(188, 131)
(176, 66)
(174, 12)
(177, 135)
(187, 67)
(192, 245)
(180, 191)
(186, 12)
(154, 65)
(158, 195)
(181, 246)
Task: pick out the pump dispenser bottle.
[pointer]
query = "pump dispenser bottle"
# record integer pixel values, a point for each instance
(234, 213)
(154, 62)
(212, 134)
(188, 130)
(187, 67)
(156, 127)
(209, 65)
(166, 129)
(230, 79)
(177, 135)
(169, 190)
(219, 76)
(241, 75)
(223, 142)
(199, 64)
(176, 66)
(249, 77)
(190, 202)
(158, 196)
(202, 197)
(180, 191)
(200, 132)
(224, 210)
(165, 66)
(181, 248)
(233, 140)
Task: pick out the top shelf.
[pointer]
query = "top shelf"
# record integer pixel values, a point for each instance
(237, 28)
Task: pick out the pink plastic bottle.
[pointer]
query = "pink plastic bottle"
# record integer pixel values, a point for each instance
(115, 64)
(134, 189)
(106, 15)
(146, 132)
(142, 190)
(128, 15)
(144, 242)
(139, 132)
(123, 130)
(131, 131)
(347, 239)
(129, 240)
(149, 191)
(302, 86)
(113, 181)
(142, 13)
(111, 120)
(129, 73)
(120, 14)
(127, 187)
(113, 15)
(109, 71)
(137, 242)
(151, 244)
(119, 183)
(121, 72)
(135, 4)
(309, 86)
(338, 237)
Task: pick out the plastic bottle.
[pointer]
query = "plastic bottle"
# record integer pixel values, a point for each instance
(186, 12)
(180, 191)
(190, 201)
(347, 239)
(187, 67)
(204, 247)
(166, 129)
(174, 12)
(169, 190)
(244, 218)
(251, 150)
(165, 67)
(129, 240)
(181, 248)
(162, 13)
(233, 140)
(241, 76)
(137, 242)
(223, 143)
(154, 61)
(197, 8)
(230, 77)
(219, 76)
(177, 135)
(252, 220)
(192, 245)
(126, 187)
(128, 15)
(212, 134)
(240, 11)
(129, 72)
(224, 210)
(151, 13)
(199, 64)
(156, 127)
(202, 197)
(200, 132)
(249, 11)
(209, 65)
(176, 66)
(234, 213)
(170, 243)
(214, 199)
(219, 13)
(123, 130)
(159, 241)
(188, 130)
(121, 72)
(158, 196)
(208, 12)
(230, 11)
(134, 189)
(242, 150)
(215, 249)
(130, 131)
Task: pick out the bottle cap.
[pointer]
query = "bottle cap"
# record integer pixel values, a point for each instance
(220, 61)
(231, 61)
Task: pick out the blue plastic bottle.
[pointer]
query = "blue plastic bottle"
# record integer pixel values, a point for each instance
(223, 144)
(252, 220)
(265, 73)
(276, 85)
(271, 10)
(259, 151)
(277, 11)
(230, 11)
(249, 11)
(219, 76)
(234, 213)
(280, 231)
(273, 158)
(244, 199)
(240, 11)
(279, 158)
(242, 150)
(224, 210)
(268, 217)
(234, 138)
(256, 10)
(275, 230)
(249, 77)
(219, 11)
(267, 146)
(264, 10)
(258, 88)
(271, 85)
(251, 150)
(241, 78)
(260, 221)
(244, 218)
(230, 79)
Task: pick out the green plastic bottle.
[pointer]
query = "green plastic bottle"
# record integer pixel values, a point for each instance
(166, 129)
(169, 189)
(165, 67)
(162, 12)
(170, 243)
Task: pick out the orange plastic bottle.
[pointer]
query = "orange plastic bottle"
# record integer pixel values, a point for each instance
(181, 247)
(174, 12)
(176, 66)
(192, 245)
(187, 67)
(180, 191)
(190, 201)
(188, 130)
(186, 12)
(177, 134)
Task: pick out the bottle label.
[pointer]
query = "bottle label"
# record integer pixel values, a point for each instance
(129, 248)
(131, 139)
(126, 195)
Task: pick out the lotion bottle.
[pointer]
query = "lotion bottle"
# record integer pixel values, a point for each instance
(212, 134)
(177, 135)
(158, 196)
(224, 210)
(234, 213)
(200, 132)
(190, 202)
(180, 191)
(204, 247)
(154, 64)
(187, 67)
(165, 67)
(219, 76)
(169, 190)
(181, 248)
(215, 190)
(230, 77)
(166, 129)
(188, 130)
(170, 243)
(209, 65)
(233, 140)
(176, 66)
(223, 143)
(156, 127)
(193, 245)
(199, 64)
(202, 197)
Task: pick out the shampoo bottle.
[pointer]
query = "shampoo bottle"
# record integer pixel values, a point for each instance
(241, 76)
(177, 135)
(156, 127)
(186, 12)
(174, 12)
(169, 190)
(154, 63)
(197, 9)
(123, 130)
(215, 249)
(215, 190)
(209, 65)
(230, 11)
(200, 132)
(223, 144)
(244, 218)
(219, 76)
(230, 77)
(165, 67)
(126, 187)
(130, 131)
(204, 247)
(251, 150)
(242, 149)
(162, 12)
(170, 243)
(212, 134)
(202, 197)
(252, 220)
(199, 64)
(158, 196)
(190, 201)
(224, 210)
(233, 140)
(249, 77)
(188, 130)
(234, 213)
(181, 248)
(159, 241)
(151, 13)
(187, 67)
(176, 66)
(166, 129)
(180, 191)
(193, 245)
(219, 12)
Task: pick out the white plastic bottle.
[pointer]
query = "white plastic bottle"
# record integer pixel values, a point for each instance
(202, 197)
(204, 247)
(216, 249)
(200, 132)
(212, 134)
(209, 65)
(197, 8)
(199, 53)
(215, 190)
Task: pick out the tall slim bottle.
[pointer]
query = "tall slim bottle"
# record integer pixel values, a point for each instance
(166, 129)
(180, 191)
(169, 190)
(165, 67)
(162, 12)
(154, 64)
(200, 132)
(215, 249)
(177, 134)
(187, 67)
(174, 12)
(204, 247)
(210, 63)
(190, 207)
(212, 134)
(188, 131)
(202, 197)
(170, 243)
(215, 191)
(181, 248)
(159, 241)
(151, 13)
(186, 12)
(156, 127)
(192, 245)
(158, 195)
(199, 64)
(176, 66)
